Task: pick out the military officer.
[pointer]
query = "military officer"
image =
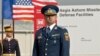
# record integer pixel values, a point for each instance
(51, 40)
(10, 45)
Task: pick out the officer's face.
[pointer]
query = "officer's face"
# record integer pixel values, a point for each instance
(9, 34)
(51, 19)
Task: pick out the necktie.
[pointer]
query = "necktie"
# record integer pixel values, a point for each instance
(48, 30)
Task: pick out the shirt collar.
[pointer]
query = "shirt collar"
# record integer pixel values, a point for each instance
(51, 26)
(9, 39)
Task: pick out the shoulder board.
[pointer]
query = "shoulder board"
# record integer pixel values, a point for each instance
(61, 27)
(15, 39)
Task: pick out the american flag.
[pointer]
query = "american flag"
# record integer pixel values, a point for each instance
(23, 10)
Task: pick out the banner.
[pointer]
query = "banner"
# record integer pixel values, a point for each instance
(83, 24)
(39, 20)
(7, 9)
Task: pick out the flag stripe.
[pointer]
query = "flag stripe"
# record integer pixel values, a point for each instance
(23, 11)
(22, 6)
(23, 19)
(18, 16)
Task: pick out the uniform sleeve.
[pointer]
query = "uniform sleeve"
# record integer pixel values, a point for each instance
(17, 49)
(0, 49)
(35, 46)
(65, 43)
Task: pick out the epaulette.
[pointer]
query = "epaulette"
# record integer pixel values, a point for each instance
(16, 39)
(66, 34)
(61, 27)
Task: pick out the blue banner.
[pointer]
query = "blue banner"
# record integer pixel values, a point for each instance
(7, 9)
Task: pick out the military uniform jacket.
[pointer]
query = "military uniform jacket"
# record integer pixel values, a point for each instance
(0, 48)
(56, 43)
(10, 47)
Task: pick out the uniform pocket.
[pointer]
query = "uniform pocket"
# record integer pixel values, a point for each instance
(55, 39)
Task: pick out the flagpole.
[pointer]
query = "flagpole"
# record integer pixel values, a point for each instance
(2, 22)
(13, 22)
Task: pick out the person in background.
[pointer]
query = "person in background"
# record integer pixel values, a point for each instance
(51, 40)
(10, 45)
